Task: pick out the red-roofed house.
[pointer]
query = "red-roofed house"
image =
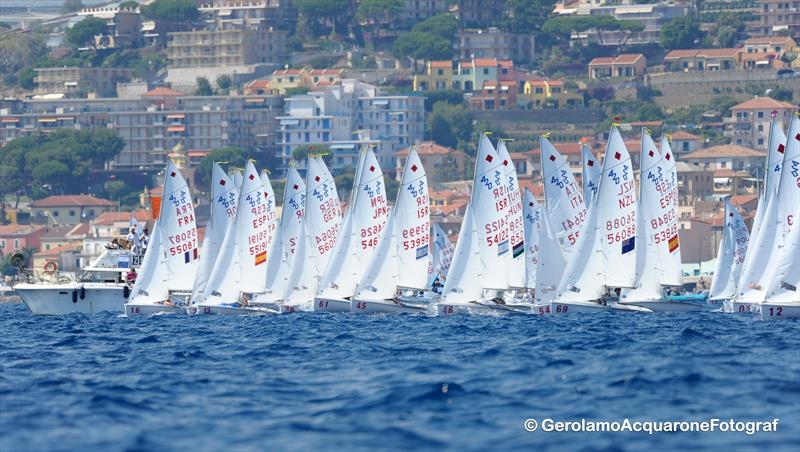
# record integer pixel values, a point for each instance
(550, 93)
(441, 163)
(625, 65)
(500, 95)
(18, 236)
(749, 122)
(728, 156)
(116, 224)
(684, 142)
(68, 209)
(703, 60)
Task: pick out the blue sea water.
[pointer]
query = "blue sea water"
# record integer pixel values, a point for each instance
(307, 381)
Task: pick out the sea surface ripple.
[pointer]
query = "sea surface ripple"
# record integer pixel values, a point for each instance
(311, 381)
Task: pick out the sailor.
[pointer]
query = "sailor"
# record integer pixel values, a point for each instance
(133, 240)
(144, 239)
(130, 278)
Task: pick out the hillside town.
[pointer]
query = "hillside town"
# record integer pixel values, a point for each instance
(97, 97)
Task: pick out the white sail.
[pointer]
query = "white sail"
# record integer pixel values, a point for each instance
(442, 251)
(778, 218)
(465, 276)
(150, 286)
(563, 198)
(760, 247)
(730, 256)
(590, 175)
(669, 250)
(271, 213)
(489, 206)
(321, 225)
(608, 257)
(533, 224)
(279, 263)
(616, 213)
(657, 222)
(175, 248)
(224, 196)
(381, 277)
(413, 224)
(551, 266)
(784, 284)
(356, 246)
(516, 227)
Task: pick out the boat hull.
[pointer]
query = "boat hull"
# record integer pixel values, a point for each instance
(778, 311)
(57, 299)
(665, 306)
(739, 307)
(385, 306)
(233, 310)
(331, 305)
(481, 308)
(576, 307)
(143, 310)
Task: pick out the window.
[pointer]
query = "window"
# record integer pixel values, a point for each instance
(16, 243)
(55, 213)
(760, 114)
(760, 141)
(761, 127)
(486, 71)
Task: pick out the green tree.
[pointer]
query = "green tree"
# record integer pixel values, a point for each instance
(377, 12)
(231, 156)
(726, 36)
(450, 96)
(317, 13)
(83, 32)
(527, 16)
(18, 53)
(129, 4)
(450, 125)
(203, 87)
(300, 153)
(442, 25)
(782, 94)
(116, 189)
(680, 33)
(423, 46)
(171, 11)
(224, 83)
(58, 162)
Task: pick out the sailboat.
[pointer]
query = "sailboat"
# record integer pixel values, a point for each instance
(730, 256)
(591, 173)
(605, 258)
(402, 258)
(441, 256)
(516, 227)
(752, 285)
(482, 253)
(782, 277)
(359, 240)
(241, 274)
(224, 198)
(564, 200)
(287, 240)
(166, 278)
(322, 221)
(658, 256)
(545, 259)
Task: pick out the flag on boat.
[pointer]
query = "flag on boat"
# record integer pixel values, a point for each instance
(628, 245)
(502, 248)
(674, 243)
(518, 249)
(190, 256)
(422, 251)
(261, 257)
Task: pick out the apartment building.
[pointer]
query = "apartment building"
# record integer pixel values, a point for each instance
(234, 47)
(778, 17)
(417, 10)
(154, 123)
(494, 43)
(652, 16)
(238, 14)
(68, 209)
(749, 122)
(79, 81)
(345, 117)
(468, 75)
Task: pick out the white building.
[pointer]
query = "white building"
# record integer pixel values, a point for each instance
(343, 118)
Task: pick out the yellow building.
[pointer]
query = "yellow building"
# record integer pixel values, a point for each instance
(553, 93)
(438, 75)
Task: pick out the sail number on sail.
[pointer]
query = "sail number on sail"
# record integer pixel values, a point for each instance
(184, 242)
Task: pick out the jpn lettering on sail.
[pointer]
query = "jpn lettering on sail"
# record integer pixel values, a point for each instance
(516, 227)
(563, 198)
